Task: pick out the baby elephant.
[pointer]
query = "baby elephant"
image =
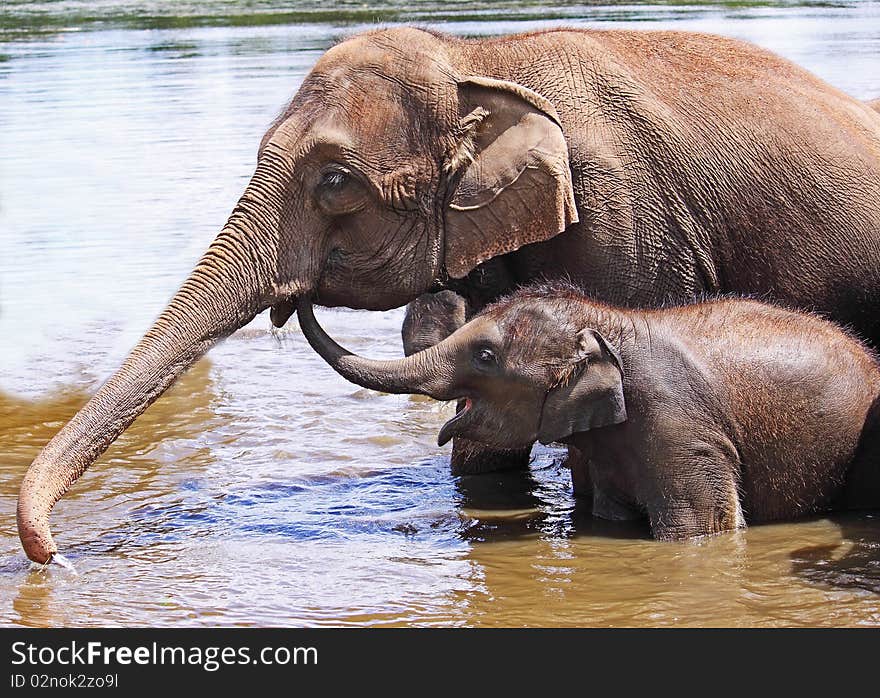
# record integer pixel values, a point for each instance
(702, 417)
(430, 319)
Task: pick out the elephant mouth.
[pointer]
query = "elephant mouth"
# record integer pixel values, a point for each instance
(457, 424)
(281, 311)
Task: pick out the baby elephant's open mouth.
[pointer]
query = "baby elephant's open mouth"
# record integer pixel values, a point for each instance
(457, 424)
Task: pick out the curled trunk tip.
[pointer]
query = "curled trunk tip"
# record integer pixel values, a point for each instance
(32, 517)
(426, 372)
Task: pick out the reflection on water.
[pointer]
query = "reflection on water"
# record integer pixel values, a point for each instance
(263, 489)
(854, 566)
(22, 18)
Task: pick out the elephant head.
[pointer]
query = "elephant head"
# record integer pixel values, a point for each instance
(378, 180)
(430, 319)
(525, 373)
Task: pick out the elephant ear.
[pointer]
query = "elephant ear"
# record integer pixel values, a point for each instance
(590, 396)
(516, 185)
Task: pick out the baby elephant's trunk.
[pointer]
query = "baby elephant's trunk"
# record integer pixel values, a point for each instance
(427, 372)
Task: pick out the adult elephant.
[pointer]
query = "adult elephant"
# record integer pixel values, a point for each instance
(645, 166)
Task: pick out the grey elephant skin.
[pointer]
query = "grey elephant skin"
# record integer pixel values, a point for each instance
(645, 166)
(430, 319)
(700, 417)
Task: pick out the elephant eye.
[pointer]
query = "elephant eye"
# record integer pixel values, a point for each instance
(339, 191)
(334, 180)
(485, 357)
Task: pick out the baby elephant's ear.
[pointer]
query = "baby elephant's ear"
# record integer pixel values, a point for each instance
(514, 185)
(591, 397)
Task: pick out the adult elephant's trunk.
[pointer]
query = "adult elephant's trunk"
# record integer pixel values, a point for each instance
(234, 280)
(429, 372)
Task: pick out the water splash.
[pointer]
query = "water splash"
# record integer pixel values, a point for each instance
(62, 561)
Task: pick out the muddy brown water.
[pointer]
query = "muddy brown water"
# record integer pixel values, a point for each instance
(264, 490)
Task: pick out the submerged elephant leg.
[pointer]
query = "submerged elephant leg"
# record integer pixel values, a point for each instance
(581, 482)
(611, 509)
(862, 487)
(704, 503)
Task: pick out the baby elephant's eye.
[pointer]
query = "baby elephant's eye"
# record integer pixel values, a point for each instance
(486, 357)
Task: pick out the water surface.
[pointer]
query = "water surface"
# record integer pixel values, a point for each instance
(263, 489)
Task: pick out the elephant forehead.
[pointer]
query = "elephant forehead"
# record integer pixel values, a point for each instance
(480, 329)
(381, 132)
(520, 320)
(536, 332)
(378, 67)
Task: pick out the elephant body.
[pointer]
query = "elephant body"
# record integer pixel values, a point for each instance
(703, 165)
(645, 166)
(700, 417)
(700, 165)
